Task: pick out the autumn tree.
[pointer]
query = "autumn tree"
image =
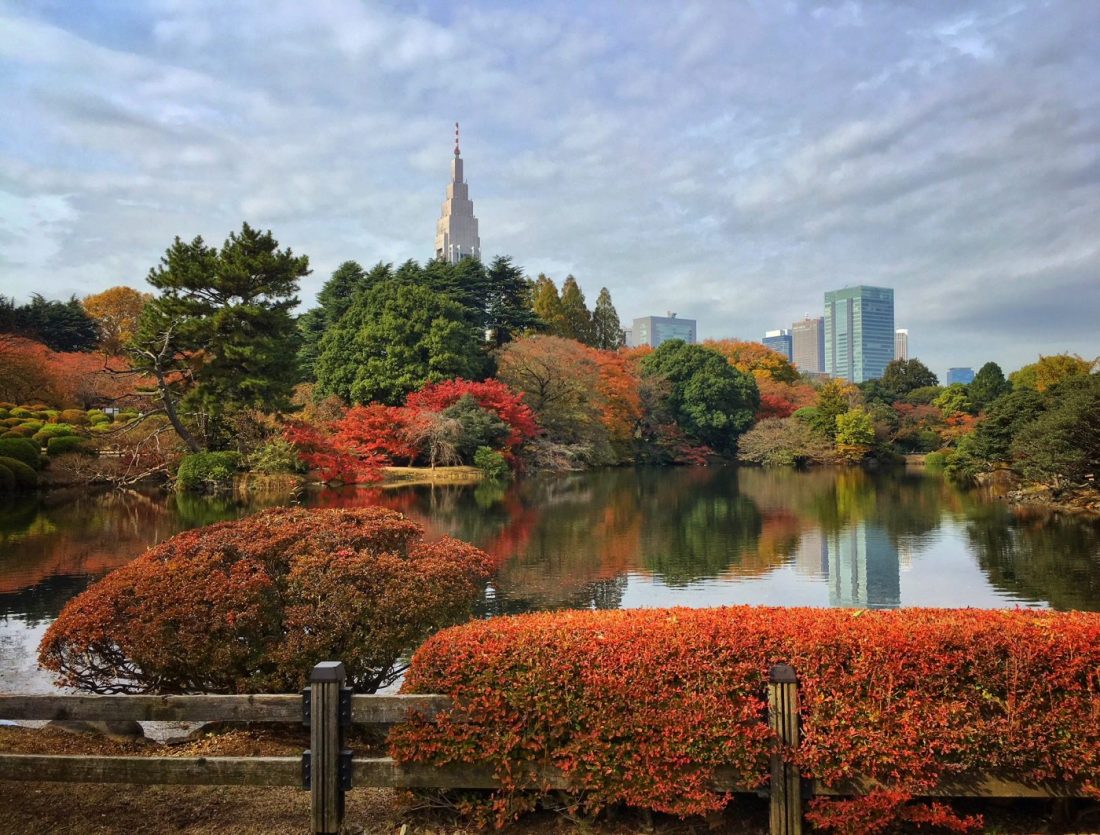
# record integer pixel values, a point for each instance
(855, 434)
(116, 313)
(755, 358)
(1051, 370)
(546, 303)
(607, 331)
(219, 336)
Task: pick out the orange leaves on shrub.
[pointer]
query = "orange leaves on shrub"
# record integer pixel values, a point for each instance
(641, 707)
(252, 605)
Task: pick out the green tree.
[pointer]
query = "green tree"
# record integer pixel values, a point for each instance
(1049, 371)
(1004, 419)
(60, 326)
(547, 305)
(220, 333)
(480, 427)
(834, 398)
(988, 384)
(953, 399)
(855, 428)
(510, 311)
(607, 332)
(903, 376)
(396, 337)
(1062, 445)
(711, 400)
(577, 321)
(333, 300)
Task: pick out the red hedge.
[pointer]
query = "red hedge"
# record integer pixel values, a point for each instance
(641, 706)
(252, 605)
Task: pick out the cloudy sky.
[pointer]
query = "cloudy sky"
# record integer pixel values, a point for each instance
(730, 161)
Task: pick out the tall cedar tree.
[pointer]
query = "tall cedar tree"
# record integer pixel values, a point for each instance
(607, 332)
(333, 300)
(988, 384)
(220, 333)
(577, 319)
(509, 310)
(60, 326)
(547, 305)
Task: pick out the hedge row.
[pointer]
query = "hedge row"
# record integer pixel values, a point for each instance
(640, 707)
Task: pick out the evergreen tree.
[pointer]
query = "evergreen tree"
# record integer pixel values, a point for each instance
(547, 305)
(333, 300)
(510, 310)
(60, 326)
(220, 333)
(988, 384)
(576, 320)
(607, 332)
(904, 376)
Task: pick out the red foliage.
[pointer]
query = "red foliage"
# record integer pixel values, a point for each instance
(491, 395)
(327, 454)
(29, 370)
(376, 432)
(251, 605)
(641, 707)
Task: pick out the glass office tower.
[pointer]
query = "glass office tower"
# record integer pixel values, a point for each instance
(859, 332)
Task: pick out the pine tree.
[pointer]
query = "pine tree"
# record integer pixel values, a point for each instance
(607, 331)
(510, 304)
(577, 321)
(333, 300)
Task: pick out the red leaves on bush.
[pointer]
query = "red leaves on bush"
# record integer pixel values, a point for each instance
(330, 456)
(641, 707)
(252, 605)
(491, 395)
(376, 432)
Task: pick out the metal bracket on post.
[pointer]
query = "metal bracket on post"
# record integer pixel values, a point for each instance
(307, 706)
(345, 707)
(307, 766)
(786, 783)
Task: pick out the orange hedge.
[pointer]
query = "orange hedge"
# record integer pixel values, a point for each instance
(252, 605)
(640, 707)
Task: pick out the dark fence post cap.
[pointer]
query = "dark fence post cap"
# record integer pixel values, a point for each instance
(782, 674)
(328, 671)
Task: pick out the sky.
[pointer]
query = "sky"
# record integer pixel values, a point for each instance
(730, 161)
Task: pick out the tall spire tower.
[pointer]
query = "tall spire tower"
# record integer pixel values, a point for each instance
(456, 233)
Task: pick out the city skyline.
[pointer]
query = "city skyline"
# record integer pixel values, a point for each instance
(827, 143)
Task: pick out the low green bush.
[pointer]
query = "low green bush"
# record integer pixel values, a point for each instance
(11, 421)
(206, 471)
(492, 464)
(99, 428)
(936, 460)
(4, 412)
(7, 480)
(11, 433)
(76, 416)
(97, 420)
(22, 449)
(276, 456)
(25, 477)
(20, 412)
(31, 425)
(53, 430)
(25, 431)
(69, 444)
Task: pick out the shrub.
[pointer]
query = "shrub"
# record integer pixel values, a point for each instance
(20, 412)
(641, 707)
(53, 430)
(251, 605)
(12, 421)
(77, 416)
(492, 464)
(935, 460)
(31, 426)
(96, 416)
(278, 455)
(25, 477)
(3, 412)
(7, 480)
(206, 471)
(66, 444)
(23, 450)
(11, 433)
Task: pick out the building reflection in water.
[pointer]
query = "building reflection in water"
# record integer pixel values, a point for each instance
(864, 568)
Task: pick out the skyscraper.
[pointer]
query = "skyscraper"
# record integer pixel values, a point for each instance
(859, 332)
(901, 344)
(808, 345)
(456, 233)
(653, 330)
(780, 341)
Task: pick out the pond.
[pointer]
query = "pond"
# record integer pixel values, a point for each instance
(616, 539)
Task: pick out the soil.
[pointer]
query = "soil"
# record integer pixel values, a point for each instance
(114, 810)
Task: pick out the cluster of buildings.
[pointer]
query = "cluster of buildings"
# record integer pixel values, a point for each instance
(853, 341)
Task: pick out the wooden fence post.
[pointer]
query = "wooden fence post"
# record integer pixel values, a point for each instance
(786, 783)
(326, 740)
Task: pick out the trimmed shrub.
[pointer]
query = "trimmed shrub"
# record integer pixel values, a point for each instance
(3, 412)
(11, 433)
(492, 464)
(251, 605)
(935, 460)
(75, 416)
(206, 471)
(25, 477)
(641, 707)
(53, 430)
(66, 444)
(31, 426)
(23, 450)
(20, 412)
(99, 420)
(7, 480)
(12, 421)
(24, 431)
(276, 456)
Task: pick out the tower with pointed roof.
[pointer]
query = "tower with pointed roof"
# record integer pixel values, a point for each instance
(456, 233)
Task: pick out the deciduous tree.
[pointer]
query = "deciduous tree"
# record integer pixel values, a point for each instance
(116, 312)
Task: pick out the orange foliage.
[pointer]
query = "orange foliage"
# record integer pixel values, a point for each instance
(642, 707)
(755, 358)
(780, 400)
(620, 400)
(251, 605)
(31, 371)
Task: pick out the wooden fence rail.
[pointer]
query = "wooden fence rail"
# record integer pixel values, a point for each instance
(328, 769)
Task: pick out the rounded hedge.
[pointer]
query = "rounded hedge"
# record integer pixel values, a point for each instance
(23, 450)
(249, 606)
(20, 412)
(12, 421)
(7, 480)
(206, 470)
(69, 444)
(77, 416)
(53, 430)
(25, 477)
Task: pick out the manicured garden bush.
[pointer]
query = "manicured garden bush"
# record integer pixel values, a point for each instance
(25, 477)
(53, 430)
(12, 422)
(206, 471)
(7, 480)
(76, 416)
(492, 464)
(276, 456)
(252, 605)
(22, 449)
(68, 444)
(20, 412)
(640, 707)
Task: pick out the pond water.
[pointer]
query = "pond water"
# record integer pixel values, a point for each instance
(616, 539)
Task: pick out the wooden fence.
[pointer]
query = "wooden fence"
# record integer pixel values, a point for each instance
(328, 769)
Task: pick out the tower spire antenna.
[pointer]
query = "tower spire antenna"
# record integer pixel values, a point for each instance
(456, 139)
